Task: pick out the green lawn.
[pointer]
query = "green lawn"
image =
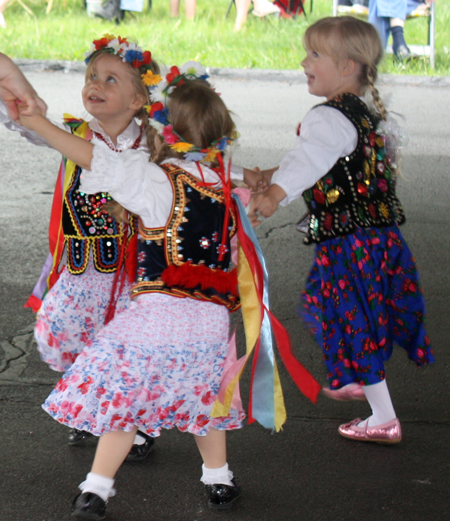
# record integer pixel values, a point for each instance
(66, 32)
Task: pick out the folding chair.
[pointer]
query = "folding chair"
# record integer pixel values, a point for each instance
(293, 11)
(428, 49)
(229, 7)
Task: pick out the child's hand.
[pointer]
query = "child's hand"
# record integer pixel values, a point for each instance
(264, 204)
(255, 180)
(253, 217)
(267, 202)
(27, 119)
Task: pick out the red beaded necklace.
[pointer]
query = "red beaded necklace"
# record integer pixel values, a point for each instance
(134, 147)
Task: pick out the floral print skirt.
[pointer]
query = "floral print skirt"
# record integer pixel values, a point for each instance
(362, 296)
(156, 365)
(72, 313)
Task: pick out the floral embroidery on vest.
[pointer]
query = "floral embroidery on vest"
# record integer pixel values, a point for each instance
(359, 191)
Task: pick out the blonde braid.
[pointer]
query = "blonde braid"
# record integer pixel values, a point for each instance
(379, 105)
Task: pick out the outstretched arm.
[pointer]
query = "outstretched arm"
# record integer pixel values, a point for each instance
(73, 147)
(14, 86)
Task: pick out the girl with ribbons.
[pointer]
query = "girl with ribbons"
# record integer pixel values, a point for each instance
(90, 244)
(167, 361)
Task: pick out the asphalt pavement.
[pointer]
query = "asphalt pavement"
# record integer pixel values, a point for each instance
(307, 472)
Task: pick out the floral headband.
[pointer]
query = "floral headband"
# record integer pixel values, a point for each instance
(130, 53)
(158, 114)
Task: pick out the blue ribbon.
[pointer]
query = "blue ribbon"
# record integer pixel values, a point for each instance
(263, 388)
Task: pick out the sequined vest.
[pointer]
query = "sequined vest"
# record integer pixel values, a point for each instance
(88, 228)
(183, 258)
(359, 190)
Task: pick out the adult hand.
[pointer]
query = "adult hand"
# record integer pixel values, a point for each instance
(14, 86)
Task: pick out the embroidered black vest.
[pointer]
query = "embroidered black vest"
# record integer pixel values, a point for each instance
(183, 258)
(87, 227)
(359, 190)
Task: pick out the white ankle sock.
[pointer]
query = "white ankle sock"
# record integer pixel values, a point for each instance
(98, 484)
(215, 476)
(138, 440)
(380, 402)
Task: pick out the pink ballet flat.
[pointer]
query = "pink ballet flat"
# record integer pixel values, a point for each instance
(346, 393)
(390, 432)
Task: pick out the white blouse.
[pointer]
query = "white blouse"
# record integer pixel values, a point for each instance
(138, 185)
(325, 136)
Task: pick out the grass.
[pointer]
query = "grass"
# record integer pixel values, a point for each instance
(66, 32)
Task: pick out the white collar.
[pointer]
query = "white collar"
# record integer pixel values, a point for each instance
(124, 141)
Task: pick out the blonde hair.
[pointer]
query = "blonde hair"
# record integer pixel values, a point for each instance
(348, 38)
(136, 79)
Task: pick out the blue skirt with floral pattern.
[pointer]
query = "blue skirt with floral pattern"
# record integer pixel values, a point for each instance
(362, 296)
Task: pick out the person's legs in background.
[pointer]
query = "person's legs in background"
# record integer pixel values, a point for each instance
(261, 8)
(389, 16)
(382, 12)
(189, 6)
(242, 7)
(3, 4)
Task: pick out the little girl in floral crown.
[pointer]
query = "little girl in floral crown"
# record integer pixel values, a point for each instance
(90, 243)
(159, 363)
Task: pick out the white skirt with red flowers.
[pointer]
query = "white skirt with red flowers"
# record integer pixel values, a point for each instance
(158, 364)
(73, 312)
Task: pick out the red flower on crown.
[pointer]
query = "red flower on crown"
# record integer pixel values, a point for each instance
(103, 42)
(147, 58)
(155, 108)
(174, 72)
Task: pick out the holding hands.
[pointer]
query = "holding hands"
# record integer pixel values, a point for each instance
(265, 196)
(15, 87)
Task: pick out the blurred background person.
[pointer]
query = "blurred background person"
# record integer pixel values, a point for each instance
(189, 8)
(389, 16)
(3, 4)
(260, 8)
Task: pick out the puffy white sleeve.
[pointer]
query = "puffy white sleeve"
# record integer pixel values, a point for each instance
(29, 135)
(141, 187)
(325, 136)
(237, 172)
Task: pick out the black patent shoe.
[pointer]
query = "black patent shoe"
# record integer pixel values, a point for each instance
(140, 452)
(221, 496)
(88, 506)
(76, 436)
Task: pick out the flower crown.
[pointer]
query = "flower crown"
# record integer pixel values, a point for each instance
(130, 53)
(158, 114)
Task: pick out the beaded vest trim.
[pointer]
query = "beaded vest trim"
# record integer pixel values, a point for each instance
(88, 228)
(190, 241)
(359, 190)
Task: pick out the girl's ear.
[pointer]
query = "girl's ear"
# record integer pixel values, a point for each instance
(138, 101)
(348, 67)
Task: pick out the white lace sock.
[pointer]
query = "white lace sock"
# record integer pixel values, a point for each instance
(381, 404)
(215, 476)
(97, 484)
